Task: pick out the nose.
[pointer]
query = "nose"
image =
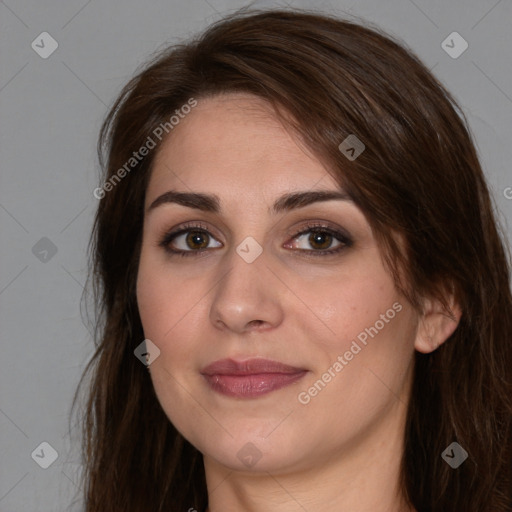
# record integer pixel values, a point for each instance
(247, 298)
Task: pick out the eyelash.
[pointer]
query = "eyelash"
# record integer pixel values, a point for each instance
(311, 227)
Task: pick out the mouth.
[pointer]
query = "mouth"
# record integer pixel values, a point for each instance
(251, 378)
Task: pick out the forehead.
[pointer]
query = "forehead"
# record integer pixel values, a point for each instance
(235, 143)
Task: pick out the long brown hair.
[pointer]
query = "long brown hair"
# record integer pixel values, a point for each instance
(419, 177)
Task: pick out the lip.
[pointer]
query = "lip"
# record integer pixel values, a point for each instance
(250, 378)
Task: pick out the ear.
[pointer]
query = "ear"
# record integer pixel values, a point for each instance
(436, 324)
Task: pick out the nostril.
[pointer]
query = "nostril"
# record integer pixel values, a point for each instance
(256, 323)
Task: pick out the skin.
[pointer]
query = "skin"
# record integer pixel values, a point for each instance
(342, 449)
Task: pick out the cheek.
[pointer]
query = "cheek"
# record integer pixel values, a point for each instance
(364, 344)
(169, 315)
(351, 304)
(171, 308)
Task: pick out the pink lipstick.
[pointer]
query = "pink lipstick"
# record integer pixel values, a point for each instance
(251, 378)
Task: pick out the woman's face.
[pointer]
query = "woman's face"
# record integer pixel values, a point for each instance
(261, 272)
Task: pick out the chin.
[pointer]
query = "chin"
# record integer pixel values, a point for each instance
(256, 454)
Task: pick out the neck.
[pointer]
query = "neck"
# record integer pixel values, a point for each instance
(362, 476)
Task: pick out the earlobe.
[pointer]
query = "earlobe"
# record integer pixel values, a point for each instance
(436, 325)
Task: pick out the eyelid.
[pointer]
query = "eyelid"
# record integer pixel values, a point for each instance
(171, 234)
(307, 226)
(338, 233)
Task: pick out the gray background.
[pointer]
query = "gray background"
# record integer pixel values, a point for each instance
(51, 110)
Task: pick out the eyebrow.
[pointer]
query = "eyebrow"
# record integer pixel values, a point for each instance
(211, 203)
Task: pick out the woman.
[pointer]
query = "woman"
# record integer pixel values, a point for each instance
(295, 237)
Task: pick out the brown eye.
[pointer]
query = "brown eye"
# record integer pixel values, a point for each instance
(188, 241)
(320, 240)
(193, 240)
(197, 239)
